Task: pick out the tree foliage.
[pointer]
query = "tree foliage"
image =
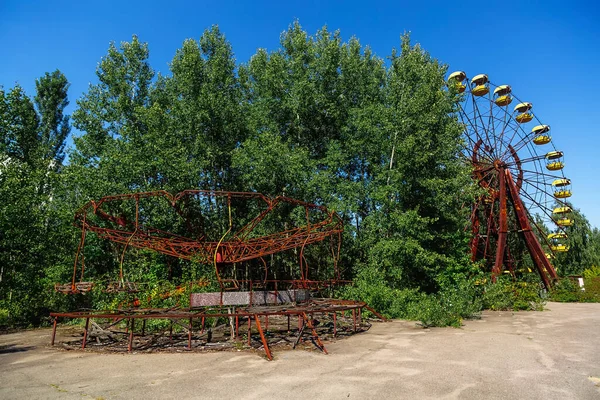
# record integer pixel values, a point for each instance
(584, 246)
(319, 119)
(32, 245)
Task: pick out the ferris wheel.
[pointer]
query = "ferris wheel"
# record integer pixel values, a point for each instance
(523, 207)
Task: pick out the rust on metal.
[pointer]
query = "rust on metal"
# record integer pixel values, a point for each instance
(238, 241)
(307, 312)
(236, 238)
(492, 211)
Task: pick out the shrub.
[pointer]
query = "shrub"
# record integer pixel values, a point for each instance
(566, 290)
(449, 307)
(506, 294)
(4, 318)
(592, 290)
(457, 302)
(445, 310)
(593, 272)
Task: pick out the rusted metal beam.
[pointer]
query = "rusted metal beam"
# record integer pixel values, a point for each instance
(263, 338)
(85, 333)
(315, 336)
(190, 335)
(542, 264)
(503, 225)
(53, 330)
(130, 343)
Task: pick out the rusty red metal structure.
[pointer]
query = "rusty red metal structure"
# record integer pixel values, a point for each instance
(306, 313)
(521, 200)
(506, 194)
(223, 229)
(238, 241)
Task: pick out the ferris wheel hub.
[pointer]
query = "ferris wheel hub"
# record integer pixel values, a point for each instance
(499, 164)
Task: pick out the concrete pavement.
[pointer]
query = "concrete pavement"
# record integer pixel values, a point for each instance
(554, 354)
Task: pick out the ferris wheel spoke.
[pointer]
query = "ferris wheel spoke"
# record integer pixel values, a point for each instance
(517, 129)
(477, 115)
(531, 205)
(545, 211)
(492, 124)
(498, 125)
(543, 174)
(541, 232)
(539, 165)
(541, 189)
(542, 203)
(505, 123)
(523, 140)
(464, 124)
(527, 160)
(473, 122)
(463, 114)
(488, 177)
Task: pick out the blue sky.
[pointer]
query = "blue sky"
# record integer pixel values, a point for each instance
(548, 51)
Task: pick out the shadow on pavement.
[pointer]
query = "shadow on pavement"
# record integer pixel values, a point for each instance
(11, 348)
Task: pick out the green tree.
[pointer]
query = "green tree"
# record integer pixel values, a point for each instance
(583, 246)
(36, 134)
(143, 132)
(206, 122)
(380, 147)
(51, 100)
(416, 235)
(32, 232)
(318, 119)
(106, 156)
(307, 103)
(594, 247)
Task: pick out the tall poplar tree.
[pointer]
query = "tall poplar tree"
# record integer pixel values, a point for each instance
(31, 154)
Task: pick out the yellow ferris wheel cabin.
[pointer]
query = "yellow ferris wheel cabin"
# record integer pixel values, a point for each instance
(523, 115)
(456, 80)
(561, 187)
(554, 160)
(502, 95)
(479, 85)
(562, 210)
(541, 134)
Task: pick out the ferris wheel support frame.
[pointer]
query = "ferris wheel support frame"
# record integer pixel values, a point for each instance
(543, 265)
(508, 190)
